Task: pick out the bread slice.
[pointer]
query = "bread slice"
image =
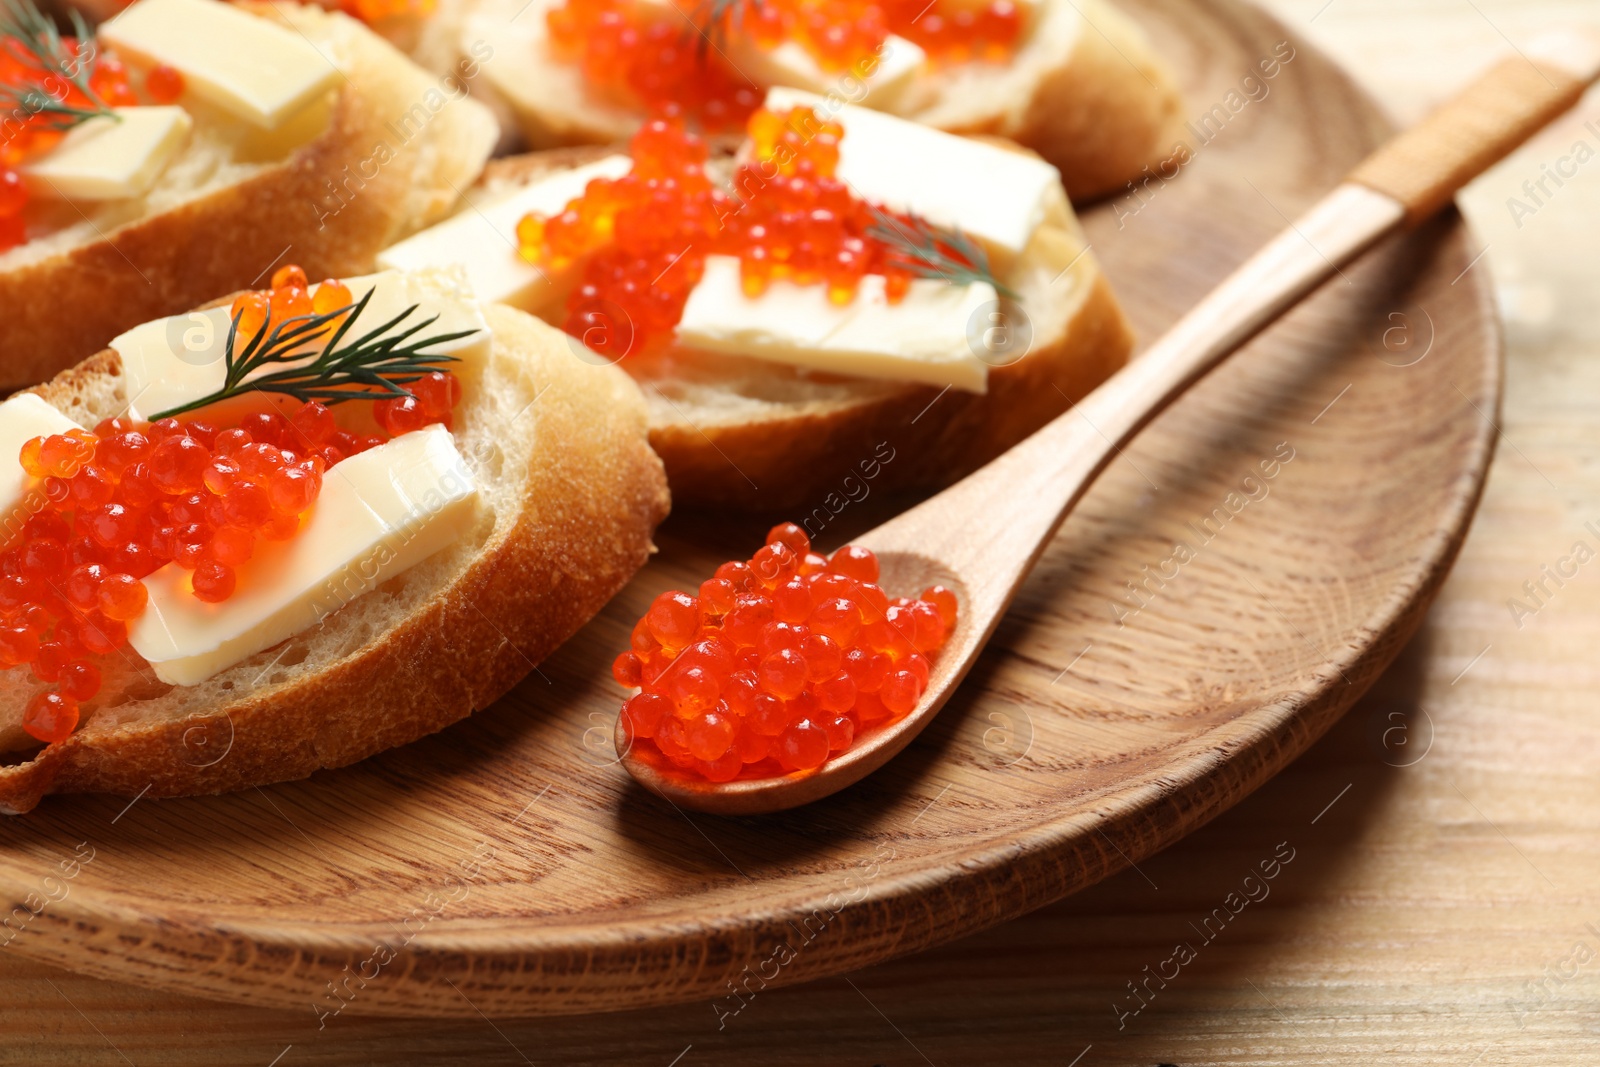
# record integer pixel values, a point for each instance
(435, 42)
(757, 435)
(570, 496)
(1085, 91)
(391, 157)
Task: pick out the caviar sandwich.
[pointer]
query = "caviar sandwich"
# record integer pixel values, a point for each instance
(178, 152)
(1074, 80)
(848, 285)
(313, 522)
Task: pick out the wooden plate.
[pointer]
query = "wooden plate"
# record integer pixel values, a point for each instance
(1319, 487)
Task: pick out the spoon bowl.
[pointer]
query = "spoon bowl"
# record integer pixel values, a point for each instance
(900, 571)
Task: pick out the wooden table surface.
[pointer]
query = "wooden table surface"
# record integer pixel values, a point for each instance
(1442, 905)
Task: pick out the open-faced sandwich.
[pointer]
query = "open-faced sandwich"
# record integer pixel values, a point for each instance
(294, 529)
(1074, 80)
(191, 146)
(851, 293)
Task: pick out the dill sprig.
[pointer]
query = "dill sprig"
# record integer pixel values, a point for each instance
(928, 251)
(711, 20)
(32, 38)
(375, 366)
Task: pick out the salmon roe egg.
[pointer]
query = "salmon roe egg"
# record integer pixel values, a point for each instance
(402, 414)
(13, 193)
(164, 84)
(121, 597)
(250, 311)
(289, 302)
(330, 296)
(287, 275)
(214, 581)
(50, 716)
(438, 392)
(776, 667)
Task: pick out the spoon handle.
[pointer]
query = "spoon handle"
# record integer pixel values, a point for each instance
(992, 526)
(1423, 167)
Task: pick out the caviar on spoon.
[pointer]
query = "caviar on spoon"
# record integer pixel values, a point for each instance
(779, 664)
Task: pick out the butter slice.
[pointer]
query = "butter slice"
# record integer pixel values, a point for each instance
(251, 67)
(790, 64)
(22, 418)
(483, 239)
(176, 360)
(997, 196)
(111, 159)
(923, 338)
(381, 511)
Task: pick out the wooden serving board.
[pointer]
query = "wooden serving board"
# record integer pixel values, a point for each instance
(1224, 593)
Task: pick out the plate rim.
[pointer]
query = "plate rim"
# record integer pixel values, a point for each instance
(1021, 869)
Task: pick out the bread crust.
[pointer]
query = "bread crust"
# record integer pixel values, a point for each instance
(594, 494)
(58, 310)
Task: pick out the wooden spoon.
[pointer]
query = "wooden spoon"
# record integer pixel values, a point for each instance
(983, 535)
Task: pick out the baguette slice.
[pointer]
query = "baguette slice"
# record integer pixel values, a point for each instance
(757, 435)
(572, 494)
(1085, 91)
(389, 161)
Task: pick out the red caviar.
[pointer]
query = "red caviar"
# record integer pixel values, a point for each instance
(644, 55)
(112, 506)
(164, 84)
(957, 32)
(643, 237)
(779, 663)
(650, 55)
(29, 131)
(117, 504)
(376, 10)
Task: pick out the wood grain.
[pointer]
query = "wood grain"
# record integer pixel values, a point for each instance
(1407, 929)
(505, 859)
